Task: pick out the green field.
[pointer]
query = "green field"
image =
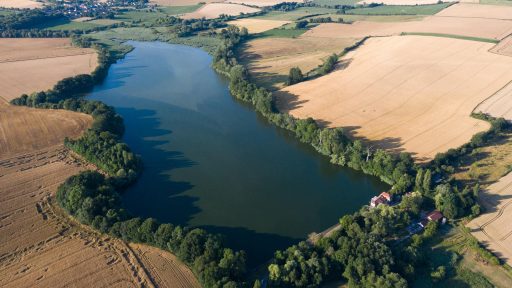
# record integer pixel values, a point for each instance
(281, 33)
(487, 40)
(497, 2)
(400, 10)
(335, 2)
(296, 14)
(114, 38)
(67, 25)
(372, 18)
(175, 10)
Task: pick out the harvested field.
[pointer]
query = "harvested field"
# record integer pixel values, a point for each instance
(403, 2)
(411, 93)
(25, 129)
(41, 247)
(499, 105)
(165, 269)
(261, 3)
(504, 47)
(30, 65)
(469, 27)
(21, 4)
(214, 10)
(38, 248)
(270, 59)
(258, 25)
(477, 11)
(494, 228)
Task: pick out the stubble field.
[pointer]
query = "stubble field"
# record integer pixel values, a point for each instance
(29, 65)
(214, 10)
(254, 25)
(20, 4)
(270, 59)
(411, 93)
(470, 27)
(493, 228)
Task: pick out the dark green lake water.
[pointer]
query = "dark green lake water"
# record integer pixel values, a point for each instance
(211, 161)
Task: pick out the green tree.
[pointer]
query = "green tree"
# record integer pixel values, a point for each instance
(427, 181)
(418, 183)
(446, 201)
(295, 76)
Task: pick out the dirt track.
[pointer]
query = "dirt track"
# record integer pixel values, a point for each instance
(411, 93)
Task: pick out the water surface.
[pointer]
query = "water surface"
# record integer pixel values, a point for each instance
(211, 161)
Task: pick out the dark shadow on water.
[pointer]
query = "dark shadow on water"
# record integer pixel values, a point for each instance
(263, 245)
(155, 194)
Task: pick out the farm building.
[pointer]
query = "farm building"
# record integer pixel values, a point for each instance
(383, 198)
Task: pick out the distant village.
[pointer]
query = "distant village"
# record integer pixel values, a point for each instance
(97, 9)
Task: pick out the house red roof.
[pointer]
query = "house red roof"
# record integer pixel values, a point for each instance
(385, 195)
(435, 216)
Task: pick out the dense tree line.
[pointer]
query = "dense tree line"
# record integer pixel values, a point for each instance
(25, 19)
(361, 251)
(93, 200)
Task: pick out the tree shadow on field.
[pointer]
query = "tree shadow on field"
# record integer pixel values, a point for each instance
(286, 101)
(155, 194)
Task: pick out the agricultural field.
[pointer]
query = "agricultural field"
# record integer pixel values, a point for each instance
(493, 228)
(383, 93)
(214, 10)
(165, 269)
(499, 104)
(43, 61)
(400, 10)
(477, 11)
(261, 3)
(258, 25)
(21, 4)
(296, 14)
(269, 59)
(402, 2)
(17, 128)
(493, 29)
(181, 2)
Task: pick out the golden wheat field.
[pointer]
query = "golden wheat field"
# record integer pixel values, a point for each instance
(493, 228)
(411, 93)
(214, 10)
(30, 65)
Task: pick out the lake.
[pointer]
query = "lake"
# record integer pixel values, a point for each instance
(210, 161)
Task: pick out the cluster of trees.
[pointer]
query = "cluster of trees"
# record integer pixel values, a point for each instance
(187, 27)
(328, 64)
(295, 76)
(25, 19)
(93, 200)
(443, 162)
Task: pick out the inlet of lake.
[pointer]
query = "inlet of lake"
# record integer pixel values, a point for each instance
(210, 161)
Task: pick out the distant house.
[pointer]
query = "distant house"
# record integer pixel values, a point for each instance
(383, 198)
(436, 216)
